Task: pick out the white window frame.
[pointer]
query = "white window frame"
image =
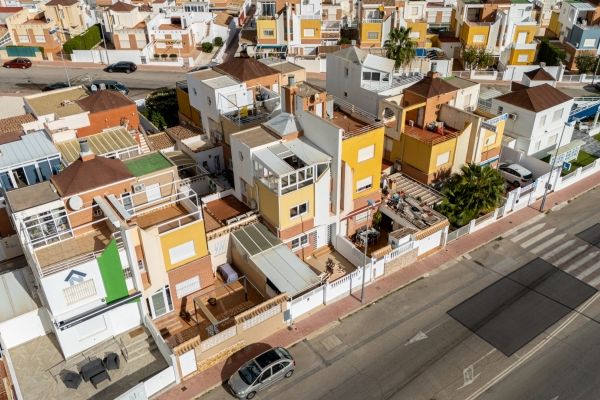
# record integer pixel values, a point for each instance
(557, 114)
(478, 38)
(360, 217)
(523, 58)
(442, 159)
(182, 252)
(415, 35)
(297, 208)
(23, 38)
(308, 32)
(543, 121)
(187, 287)
(522, 38)
(40, 38)
(301, 242)
(591, 42)
(372, 35)
(366, 153)
(153, 192)
(364, 184)
(268, 32)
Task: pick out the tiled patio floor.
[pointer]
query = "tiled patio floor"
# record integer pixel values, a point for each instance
(319, 264)
(38, 365)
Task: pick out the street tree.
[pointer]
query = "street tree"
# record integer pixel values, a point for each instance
(400, 47)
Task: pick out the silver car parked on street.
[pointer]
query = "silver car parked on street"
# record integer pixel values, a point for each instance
(261, 372)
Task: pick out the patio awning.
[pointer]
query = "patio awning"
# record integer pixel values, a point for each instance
(275, 260)
(104, 143)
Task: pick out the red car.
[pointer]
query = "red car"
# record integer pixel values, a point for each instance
(18, 63)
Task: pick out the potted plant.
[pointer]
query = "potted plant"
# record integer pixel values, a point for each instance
(172, 55)
(164, 56)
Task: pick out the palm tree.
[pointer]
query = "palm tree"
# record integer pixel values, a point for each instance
(400, 47)
(474, 191)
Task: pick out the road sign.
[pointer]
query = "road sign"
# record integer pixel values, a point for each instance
(566, 166)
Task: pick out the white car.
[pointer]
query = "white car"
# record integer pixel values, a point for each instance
(516, 174)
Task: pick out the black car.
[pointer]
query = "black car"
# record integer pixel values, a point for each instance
(54, 86)
(122, 66)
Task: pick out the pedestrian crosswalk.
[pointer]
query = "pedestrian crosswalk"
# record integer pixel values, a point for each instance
(565, 251)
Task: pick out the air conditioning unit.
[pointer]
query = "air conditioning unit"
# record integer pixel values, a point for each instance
(139, 187)
(512, 116)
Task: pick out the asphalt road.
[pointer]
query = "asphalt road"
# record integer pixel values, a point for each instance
(407, 347)
(32, 80)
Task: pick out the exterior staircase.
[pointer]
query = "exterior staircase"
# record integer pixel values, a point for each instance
(136, 343)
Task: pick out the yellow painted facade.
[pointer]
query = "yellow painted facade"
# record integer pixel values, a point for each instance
(372, 28)
(266, 29)
(366, 168)
(529, 29)
(469, 32)
(194, 231)
(496, 144)
(310, 29)
(554, 26)
(516, 53)
(183, 103)
(419, 28)
(276, 209)
(424, 156)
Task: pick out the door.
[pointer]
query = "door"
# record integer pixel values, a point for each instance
(522, 38)
(322, 237)
(266, 379)
(160, 302)
(127, 201)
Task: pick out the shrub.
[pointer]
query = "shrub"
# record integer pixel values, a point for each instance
(172, 55)
(550, 54)
(207, 47)
(164, 55)
(156, 55)
(344, 40)
(218, 41)
(86, 41)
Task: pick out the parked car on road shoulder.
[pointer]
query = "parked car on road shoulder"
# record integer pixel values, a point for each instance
(54, 86)
(19, 62)
(122, 66)
(261, 372)
(516, 174)
(104, 84)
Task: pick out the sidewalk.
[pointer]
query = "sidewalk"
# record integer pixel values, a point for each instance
(328, 316)
(88, 65)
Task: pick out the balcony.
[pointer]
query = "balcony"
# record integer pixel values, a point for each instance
(264, 103)
(432, 135)
(353, 120)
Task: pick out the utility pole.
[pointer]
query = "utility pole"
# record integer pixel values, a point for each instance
(371, 203)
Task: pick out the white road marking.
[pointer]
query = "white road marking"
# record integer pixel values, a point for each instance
(581, 261)
(595, 267)
(547, 243)
(537, 238)
(534, 350)
(527, 232)
(417, 338)
(558, 249)
(572, 255)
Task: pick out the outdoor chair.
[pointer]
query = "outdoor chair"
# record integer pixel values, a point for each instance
(112, 361)
(71, 379)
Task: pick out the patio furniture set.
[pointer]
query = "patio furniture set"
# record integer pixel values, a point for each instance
(95, 371)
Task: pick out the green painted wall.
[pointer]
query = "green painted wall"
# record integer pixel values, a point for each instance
(111, 271)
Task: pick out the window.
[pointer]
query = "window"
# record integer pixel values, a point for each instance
(182, 252)
(153, 192)
(361, 217)
(552, 139)
(589, 42)
(372, 35)
(277, 368)
(309, 32)
(478, 38)
(537, 145)
(557, 115)
(364, 184)
(345, 94)
(414, 11)
(442, 159)
(500, 109)
(23, 38)
(265, 375)
(366, 153)
(299, 242)
(415, 35)
(40, 38)
(79, 291)
(490, 140)
(127, 201)
(346, 71)
(543, 121)
(523, 58)
(187, 287)
(300, 209)
(522, 37)
(371, 76)
(268, 32)
(467, 100)
(267, 9)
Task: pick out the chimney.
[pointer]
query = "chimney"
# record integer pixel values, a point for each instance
(289, 92)
(433, 74)
(84, 151)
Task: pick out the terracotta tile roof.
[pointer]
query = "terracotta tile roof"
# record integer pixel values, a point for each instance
(120, 6)
(14, 124)
(63, 3)
(103, 100)
(431, 86)
(181, 132)
(160, 141)
(245, 69)
(223, 19)
(536, 99)
(83, 176)
(386, 3)
(5, 10)
(514, 86)
(145, 8)
(539, 74)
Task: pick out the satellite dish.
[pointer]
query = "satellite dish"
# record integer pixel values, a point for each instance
(75, 203)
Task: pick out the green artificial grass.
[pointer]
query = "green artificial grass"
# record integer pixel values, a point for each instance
(147, 164)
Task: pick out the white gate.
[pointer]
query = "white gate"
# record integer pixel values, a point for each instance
(322, 237)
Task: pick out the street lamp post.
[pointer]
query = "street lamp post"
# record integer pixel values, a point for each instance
(62, 57)
(103, 33)
(553, 165)
(371, 203)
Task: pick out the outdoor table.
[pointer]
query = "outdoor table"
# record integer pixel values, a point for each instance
(102, 376)
(92, 368)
